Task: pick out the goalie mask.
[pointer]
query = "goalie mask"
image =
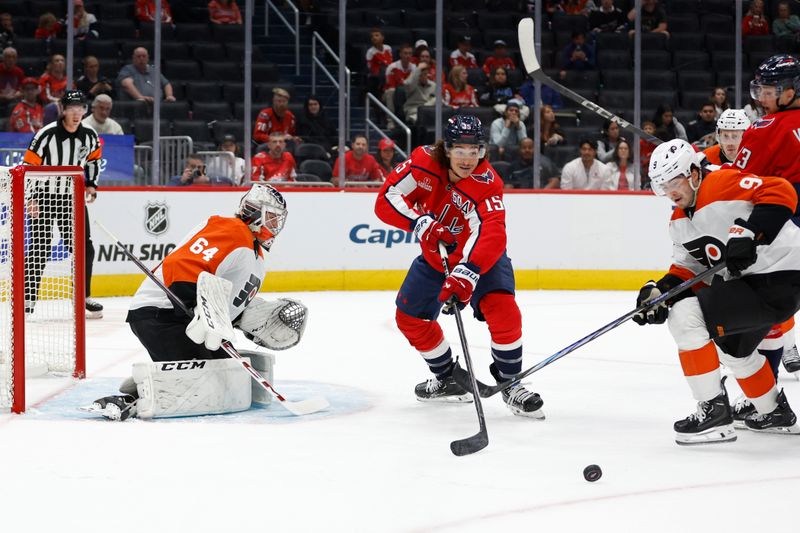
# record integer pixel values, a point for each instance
(263, 209)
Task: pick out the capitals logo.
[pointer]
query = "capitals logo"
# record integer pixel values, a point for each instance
(763, 123)
(486, 177)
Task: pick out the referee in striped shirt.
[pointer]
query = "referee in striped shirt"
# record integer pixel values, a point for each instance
(65, 142)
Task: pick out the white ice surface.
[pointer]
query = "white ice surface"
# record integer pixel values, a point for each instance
(387, 466)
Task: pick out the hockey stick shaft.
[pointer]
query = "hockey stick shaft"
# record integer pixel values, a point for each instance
(303, 407)
(534, 70)
(481, 439)
(486, 390)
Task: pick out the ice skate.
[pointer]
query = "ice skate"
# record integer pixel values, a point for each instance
(713, 422)
(791, 361)
(781, 420)
(94, 309)
(117, 408)
(742, 409)
(520, 400)
(446, 390)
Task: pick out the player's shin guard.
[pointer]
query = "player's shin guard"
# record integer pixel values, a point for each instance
(755, 377)
(505, 326)
(426, 337)
(698, 354)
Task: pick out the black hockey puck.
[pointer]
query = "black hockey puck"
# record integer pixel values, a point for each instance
(592, 473)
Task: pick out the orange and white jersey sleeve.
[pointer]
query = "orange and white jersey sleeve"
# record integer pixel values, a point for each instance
(222, 246)
(725, 195)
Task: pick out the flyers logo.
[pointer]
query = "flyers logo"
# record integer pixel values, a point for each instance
(706, 250)
(763, 123)
(486, 177)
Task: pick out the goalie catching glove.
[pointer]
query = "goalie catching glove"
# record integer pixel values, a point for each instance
(277, 324)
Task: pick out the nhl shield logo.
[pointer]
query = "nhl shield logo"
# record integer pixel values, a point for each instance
(155, 218)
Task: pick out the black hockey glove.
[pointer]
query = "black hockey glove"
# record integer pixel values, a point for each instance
(653, 315)
(741, 251)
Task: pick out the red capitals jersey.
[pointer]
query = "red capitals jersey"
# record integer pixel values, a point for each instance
(26, 118)
(267, 168)
(364, 169)
(471, 209)
(454, 98)
(268, 121)
(493, 63)
(378, 58)
(771, 146)
(396, 74)
(466, 60)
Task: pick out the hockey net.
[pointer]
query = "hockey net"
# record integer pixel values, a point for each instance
(41, 277)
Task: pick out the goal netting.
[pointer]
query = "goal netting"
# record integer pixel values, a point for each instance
(41, 277)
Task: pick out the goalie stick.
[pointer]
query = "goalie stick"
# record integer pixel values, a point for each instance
(465, 380)
(302, 407)
(534, 70)
(480, 440)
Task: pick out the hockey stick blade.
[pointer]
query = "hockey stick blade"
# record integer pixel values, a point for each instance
(488, 390)
(470, 445)
(307, 406)
(527, 49)
(462, 377)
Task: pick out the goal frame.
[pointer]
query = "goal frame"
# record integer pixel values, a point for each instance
(18, 176)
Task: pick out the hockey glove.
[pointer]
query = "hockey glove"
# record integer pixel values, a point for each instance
(741, 251)
(458, 287)
(656, 314)
(429, 232)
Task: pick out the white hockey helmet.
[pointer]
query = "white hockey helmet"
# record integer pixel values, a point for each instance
(263, 209)
(671, 160)
(733, 119)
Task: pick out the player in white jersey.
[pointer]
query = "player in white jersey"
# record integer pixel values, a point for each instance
(230, 248)
(744, 220)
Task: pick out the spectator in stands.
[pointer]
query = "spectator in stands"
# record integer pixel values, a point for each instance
(54, 80)
(620, 167)
(462, 54)
(276, 164)
(549, 96)
(457, 92)
(358, 164)
(277, 119)
(314, 127)
(135, 82)
(146, 11)
(224, 12)
(508, 130)
(702, 130)
(607, 18)
(667, 126)
(194, 173)
(752, 110)
(586, 172)
(719, 97)
(224, 167)
(607, 144)
(49, 27)
(420, 90)
(522, 170)
(11, 77)
(755, 22)
(577, 7)
(396, 75)
(653, 18)
(423, 55)
(645, 151)
(85, 23)
(91, 83)
(500, 91)
(100, 119)
(387, 157)
(577, 55)
(27, 116)
(551, 131)
(7, 35)
(379, 57)
(786, 28)
(500, 58)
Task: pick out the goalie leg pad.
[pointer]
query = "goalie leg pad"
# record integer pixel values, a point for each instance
(265, 364)
(191, 388)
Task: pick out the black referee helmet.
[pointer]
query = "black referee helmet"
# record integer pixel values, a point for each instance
(73, 97)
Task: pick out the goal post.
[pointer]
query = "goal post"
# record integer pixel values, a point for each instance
(42, 287)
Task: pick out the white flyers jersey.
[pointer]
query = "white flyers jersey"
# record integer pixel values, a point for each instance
(699, 241)
(221, 246)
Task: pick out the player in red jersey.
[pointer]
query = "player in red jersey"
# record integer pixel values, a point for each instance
(449, 193)
(770, 148)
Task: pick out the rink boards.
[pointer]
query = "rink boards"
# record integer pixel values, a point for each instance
(333, 241)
